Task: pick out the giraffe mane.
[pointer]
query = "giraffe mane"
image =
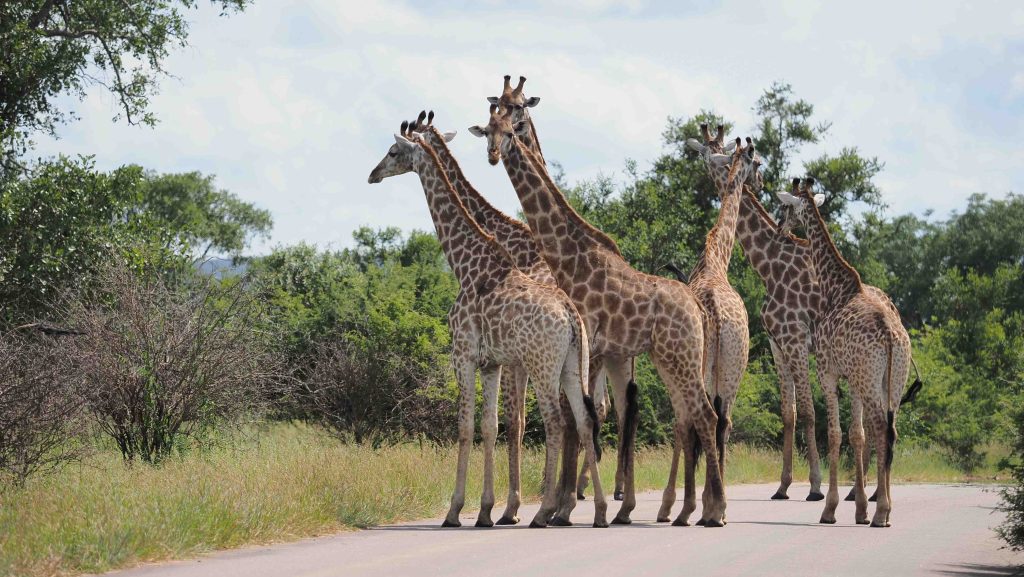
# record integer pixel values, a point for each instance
(563, 203)
(474, 225)
(458, 170)
(831, 245)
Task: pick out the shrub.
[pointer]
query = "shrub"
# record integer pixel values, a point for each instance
(39, 403)
(162, 363)
(1012, 530)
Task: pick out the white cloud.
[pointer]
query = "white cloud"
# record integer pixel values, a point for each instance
(292, 103)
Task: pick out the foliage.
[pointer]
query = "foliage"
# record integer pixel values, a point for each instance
(54, 48)
(163, 363)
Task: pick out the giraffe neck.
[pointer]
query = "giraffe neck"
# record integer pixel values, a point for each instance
(838, 280)
(714, 261)
(532, 142)
(473, 255)
(513, 235)
(561, 232)
(763, 242)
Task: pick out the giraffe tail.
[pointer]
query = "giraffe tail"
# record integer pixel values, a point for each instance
(588, 402)
(583, 350)
(672, 268)
(915, 388)
(890, 416)
(629, 425)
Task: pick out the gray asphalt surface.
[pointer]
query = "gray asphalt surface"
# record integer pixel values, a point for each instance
(937, 530)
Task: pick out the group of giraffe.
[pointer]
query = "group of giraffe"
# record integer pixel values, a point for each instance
(553, 302)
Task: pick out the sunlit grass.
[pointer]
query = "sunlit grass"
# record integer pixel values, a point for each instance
(291, 481)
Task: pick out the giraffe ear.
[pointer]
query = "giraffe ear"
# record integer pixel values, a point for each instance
(493, 100)
(449, 136)
(819, 199)
(403, 144)
(694, 145)
(787, 198)
(477, 131)
(532, 101)
(730, 146)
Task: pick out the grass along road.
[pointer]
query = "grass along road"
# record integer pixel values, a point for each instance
(287, 483)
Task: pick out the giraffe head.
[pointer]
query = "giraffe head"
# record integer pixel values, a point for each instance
(710, 145)
(513, 99)
(797, 210)
(744, 165)
(401, 157)
(500, 130)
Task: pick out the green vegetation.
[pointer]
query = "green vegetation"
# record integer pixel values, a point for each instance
(282, 482)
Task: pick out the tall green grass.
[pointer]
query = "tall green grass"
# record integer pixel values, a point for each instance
(290, 481)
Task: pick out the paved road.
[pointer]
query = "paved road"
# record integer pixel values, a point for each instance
(937, 529)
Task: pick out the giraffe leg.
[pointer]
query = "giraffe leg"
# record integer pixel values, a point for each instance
(571, 384)
(866, 463)
(797, 369)
(618, 374)
(690, 456)
(723, 450)
(465, 372)
(829, 384)
(788, 395)
(570, 462)
(489, 378)
(514, 390)
(884, 504)
(598, 391)
(705, 422)
(857, 441)
(668, 498)
(547, 402)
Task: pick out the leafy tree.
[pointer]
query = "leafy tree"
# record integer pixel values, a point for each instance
(54, 48)
(205, 218)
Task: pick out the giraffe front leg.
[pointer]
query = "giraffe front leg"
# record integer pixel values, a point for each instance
(857, 441)
(619, 376)
(668, 497)
(465, 372)
(547, 402)
(829, 384)
(797, 369)
(489, 378)
(691, 454)
(788, 410)
(514, 390)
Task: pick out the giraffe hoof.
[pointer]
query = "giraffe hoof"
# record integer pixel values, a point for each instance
(506, 520)
(780, 496)
(862, 521)
(851, 496)
(662, 519)
(448, 523)
(874, 497)
(560, 522)
(828, 521)
(873, 524)
(622, 521)
(484, 523)
(680, 523)
(617, 496)
(537, 525)
(580, 496)
(600, 524)
(702, 522)
(714, 523)
(815, 496)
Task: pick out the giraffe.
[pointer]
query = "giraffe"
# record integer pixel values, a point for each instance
(729, 338)
(790, 308)
(626, 312)
(857, 339)
(501, 317)
(513, 99)
(515, 237)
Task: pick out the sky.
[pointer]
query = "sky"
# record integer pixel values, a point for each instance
(292, 103)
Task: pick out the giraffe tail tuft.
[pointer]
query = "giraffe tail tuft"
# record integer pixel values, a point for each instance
(672, 268)
(588, 402)
(890, 436)
(912, 392)
(720, 427)
(629, 425)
